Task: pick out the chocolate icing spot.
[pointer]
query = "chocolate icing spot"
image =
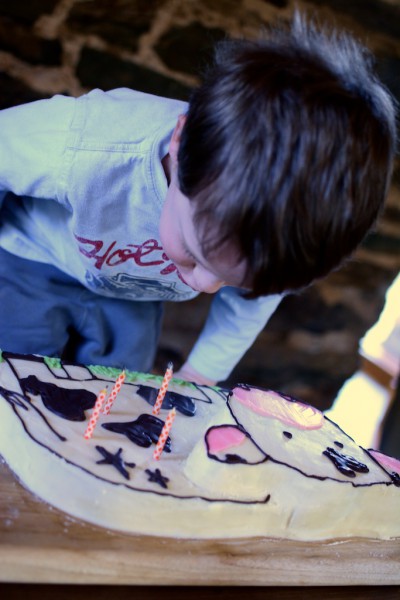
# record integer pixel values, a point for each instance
(184, 404)
(288, 435)
(348, 465)
(66, 403)
(144, 431)
(157, 477)
(338, 444)
(395, 477)
(234, 459)
(115, 460)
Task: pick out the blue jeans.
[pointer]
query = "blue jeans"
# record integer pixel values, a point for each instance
(44, 311)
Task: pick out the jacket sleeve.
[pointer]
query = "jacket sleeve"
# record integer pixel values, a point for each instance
(33, 140)
(232, 325)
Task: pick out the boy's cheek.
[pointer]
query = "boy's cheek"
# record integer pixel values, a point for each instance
(163, 233)
(167, 245)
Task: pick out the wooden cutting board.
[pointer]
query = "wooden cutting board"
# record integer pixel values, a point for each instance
(42, 545)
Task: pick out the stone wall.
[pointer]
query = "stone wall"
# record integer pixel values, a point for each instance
(159, 46)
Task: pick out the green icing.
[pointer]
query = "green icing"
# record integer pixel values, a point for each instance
(52, 362)
(132, 376)
(113, 373)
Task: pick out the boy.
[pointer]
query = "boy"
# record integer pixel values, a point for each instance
(115, 202)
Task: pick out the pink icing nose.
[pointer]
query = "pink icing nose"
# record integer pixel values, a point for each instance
(224, 437)
(271, 404)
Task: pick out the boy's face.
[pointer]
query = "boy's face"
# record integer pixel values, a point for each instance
(180, 241)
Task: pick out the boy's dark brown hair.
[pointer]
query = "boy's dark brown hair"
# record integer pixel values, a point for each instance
(287, 151)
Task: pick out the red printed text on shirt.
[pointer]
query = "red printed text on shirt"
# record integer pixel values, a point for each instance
(147, 254)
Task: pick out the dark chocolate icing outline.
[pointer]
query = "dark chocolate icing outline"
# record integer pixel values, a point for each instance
(318, 477)
(8, 356)
(231, 462)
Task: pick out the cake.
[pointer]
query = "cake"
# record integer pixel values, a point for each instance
(237, 463)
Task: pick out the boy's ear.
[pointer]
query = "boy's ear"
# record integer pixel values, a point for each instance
(176, 139)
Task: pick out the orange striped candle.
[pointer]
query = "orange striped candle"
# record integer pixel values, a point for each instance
(162, 440)
(113, 393)
(95, 415)
(163, 389)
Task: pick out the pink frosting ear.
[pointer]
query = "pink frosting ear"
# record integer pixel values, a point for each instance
(224, 437)
(388, 462)
(271, 404)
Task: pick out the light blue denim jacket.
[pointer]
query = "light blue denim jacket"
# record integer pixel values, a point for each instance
(87, 189)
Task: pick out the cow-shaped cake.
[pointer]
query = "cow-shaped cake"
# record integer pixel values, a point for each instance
(240, 463)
